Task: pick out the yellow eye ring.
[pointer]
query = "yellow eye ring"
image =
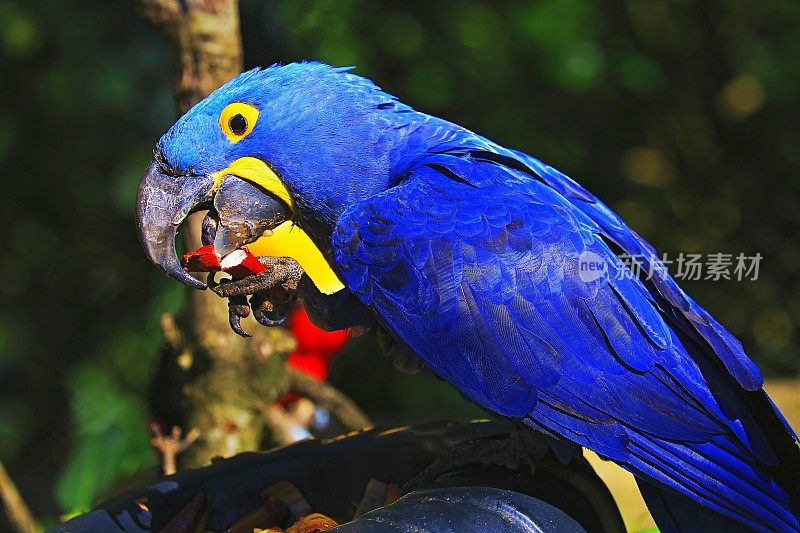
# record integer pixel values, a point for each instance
(237, 120)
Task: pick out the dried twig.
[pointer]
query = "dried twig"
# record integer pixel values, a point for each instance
(170, 446)
(17, 511)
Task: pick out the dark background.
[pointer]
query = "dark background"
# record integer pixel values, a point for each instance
(682, 115)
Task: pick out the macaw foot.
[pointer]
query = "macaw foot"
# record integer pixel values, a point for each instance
(271, 293)
(521, 446)
(403, 359)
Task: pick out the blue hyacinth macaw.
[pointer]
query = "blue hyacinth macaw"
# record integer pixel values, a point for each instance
(472, 256)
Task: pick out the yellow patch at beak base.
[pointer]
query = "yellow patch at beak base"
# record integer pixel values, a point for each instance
(288, 239)
(256, 171)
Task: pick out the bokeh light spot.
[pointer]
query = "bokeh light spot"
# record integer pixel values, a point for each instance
(648, 166)
(741, 97)
(20, 33)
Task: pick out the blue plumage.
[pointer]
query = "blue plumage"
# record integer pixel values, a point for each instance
(471, 254)
(483, 284)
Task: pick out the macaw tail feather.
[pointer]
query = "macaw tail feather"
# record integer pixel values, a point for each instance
(676, 513)
(757, 503)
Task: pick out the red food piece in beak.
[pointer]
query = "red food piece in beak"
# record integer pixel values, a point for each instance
(204, 259)
(239, 263)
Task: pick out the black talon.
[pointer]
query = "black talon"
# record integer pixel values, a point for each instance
(211, 280)
(238, 308)
(276, 303)
(264, 318)
(236, 326)
(265, 311)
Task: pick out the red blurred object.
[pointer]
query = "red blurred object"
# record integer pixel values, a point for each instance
(316, 348)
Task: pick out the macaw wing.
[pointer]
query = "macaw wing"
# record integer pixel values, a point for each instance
(468, 147)
(477, 267)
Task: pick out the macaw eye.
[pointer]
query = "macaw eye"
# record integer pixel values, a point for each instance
(238, 124)
(237, 120)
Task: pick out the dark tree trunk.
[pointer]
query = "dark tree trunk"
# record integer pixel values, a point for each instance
(211, 380)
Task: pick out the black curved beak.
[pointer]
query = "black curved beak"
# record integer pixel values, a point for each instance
(163, 202)
(240, 213)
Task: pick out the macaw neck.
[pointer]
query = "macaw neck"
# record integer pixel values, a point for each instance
(381, 165)
(383, 161)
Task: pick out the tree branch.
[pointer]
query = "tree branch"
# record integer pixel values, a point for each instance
(329, 398)
(209, 44)
(17, 511)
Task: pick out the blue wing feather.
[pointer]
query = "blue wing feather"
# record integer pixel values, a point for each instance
(725, 345)
(473, 263)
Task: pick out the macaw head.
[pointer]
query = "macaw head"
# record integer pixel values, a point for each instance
(295, 143)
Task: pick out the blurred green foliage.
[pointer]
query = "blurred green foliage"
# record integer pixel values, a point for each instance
(681, 114)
